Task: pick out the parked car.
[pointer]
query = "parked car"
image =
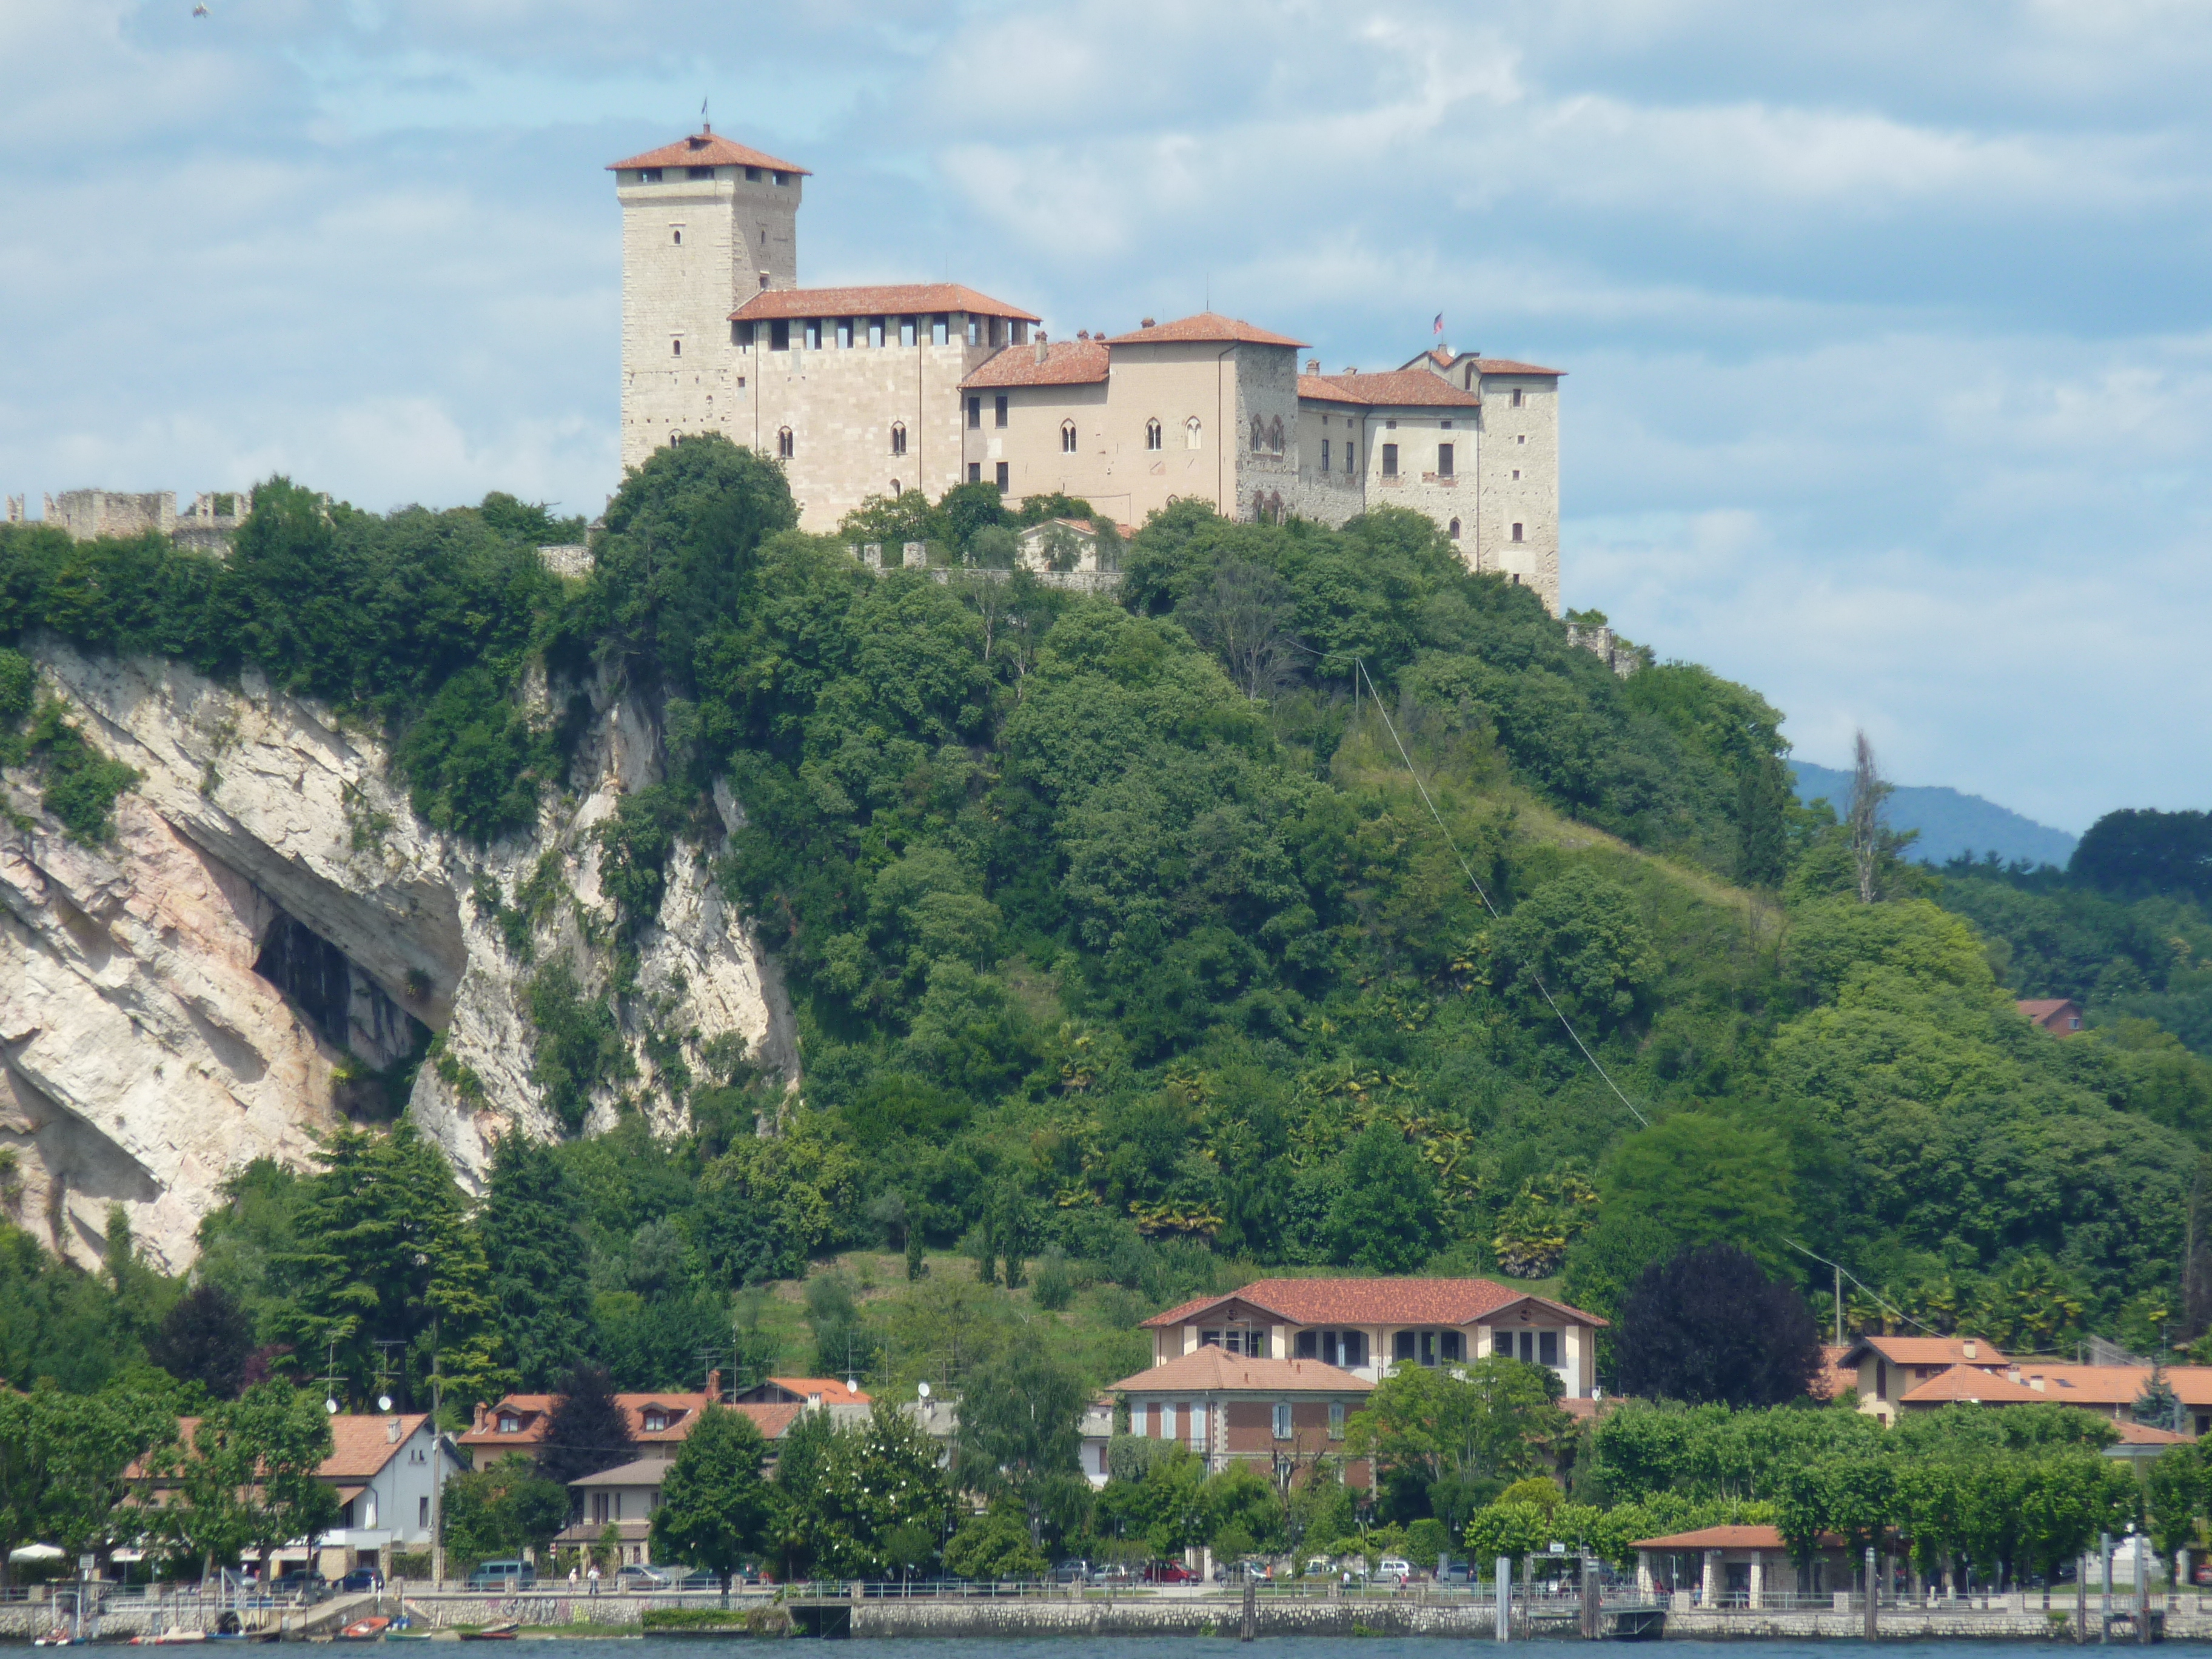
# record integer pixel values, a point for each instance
(638, 1576)
(1071, 1572)
(1169, 1572)
(1393, 1570)
(1116, 1572)
(361, 1580)
(300, 1581)
(503, 1575)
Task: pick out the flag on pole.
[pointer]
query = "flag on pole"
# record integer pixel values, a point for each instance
(1439, 327)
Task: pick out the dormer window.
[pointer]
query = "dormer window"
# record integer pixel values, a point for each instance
(509, 1423)
(656, 1422)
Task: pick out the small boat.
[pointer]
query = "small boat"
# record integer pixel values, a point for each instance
(365, 1630)
(173, 1634)
(506, 1632)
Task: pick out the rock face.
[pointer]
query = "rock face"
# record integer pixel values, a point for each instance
(272, 928)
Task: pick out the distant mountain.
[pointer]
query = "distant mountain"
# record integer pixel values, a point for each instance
(1949, 821)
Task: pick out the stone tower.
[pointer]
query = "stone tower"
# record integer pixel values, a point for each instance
(706, 224)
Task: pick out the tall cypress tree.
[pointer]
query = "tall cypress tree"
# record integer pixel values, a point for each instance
(536, 1261)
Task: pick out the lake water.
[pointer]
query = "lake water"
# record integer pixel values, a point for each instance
(1292, 1647)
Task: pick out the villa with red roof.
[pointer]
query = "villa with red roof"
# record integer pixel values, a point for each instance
(1363, 1329)
(866, 390)
(659, 1422)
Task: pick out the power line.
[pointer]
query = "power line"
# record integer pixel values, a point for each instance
(1467, 870)
(1898, 1313)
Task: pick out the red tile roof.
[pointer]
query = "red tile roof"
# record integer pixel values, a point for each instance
(1066, 362)
(832, 1391)
(1932, 1351)
(2044, 1010)
(2142, 1434)
(895, 300)
(2104, 1387)
(1213, 1370)
(1964, 1385)
(360, 1445)
(1207, 326)
(705, 149)
(1507, 366)
(1372, 1302)
(1715, 1538)
(1400, 388)
(536, 1410)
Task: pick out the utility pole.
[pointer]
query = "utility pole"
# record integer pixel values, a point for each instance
(1839, 1307)
(437, 1465)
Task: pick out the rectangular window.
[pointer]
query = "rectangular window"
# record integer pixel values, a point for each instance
(1547, 1348)
(741, 334)
(1428, 1347)
(1517, 397)
(1329, 1348)
(649, 176)
(1350, 456)
(1152, 1412)
(1389, 460)
(1453, 1346)
(779, 335)
(752, 175)
(783, 178)
(698, 173)
(813, 333)
(974, 472)
(1209, 1339)
(423, 1512)
(1324, 454)
(1443, 460)
(1402, 1346)
(1002, 477)
(1355, 1349)
(1309, 1344)
(1527, 1346)
(1336, 1419)
(1167, 1421)
(1516, 533)
(1282, 1419)
(999, 409)
(1197, 1426)
(975, 414)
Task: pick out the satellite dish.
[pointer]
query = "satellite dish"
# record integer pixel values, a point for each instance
(383, 1402)
(923, 1388)
(331, 1407)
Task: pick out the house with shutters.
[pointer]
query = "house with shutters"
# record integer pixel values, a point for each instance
(1283, 1415)
(1365, 1328)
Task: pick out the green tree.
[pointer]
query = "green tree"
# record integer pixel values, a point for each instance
(1383, 1217)
(536, 1258)
(249, 1478)
(65, 1458)
(995, 1548)
(1577, 937)
(1021, 1431)
(1460, 1436)
(500, 1512)
(715, 1503)
(386, 1252)
(880, 1484)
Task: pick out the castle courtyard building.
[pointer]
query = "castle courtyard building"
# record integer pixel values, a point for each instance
(870, 390)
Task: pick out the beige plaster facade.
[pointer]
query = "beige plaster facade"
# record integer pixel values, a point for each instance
(868, 392)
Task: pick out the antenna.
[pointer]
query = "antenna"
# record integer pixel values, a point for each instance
(329, 1378)
(385, 1345)
(705, 125)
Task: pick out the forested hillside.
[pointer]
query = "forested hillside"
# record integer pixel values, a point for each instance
(1126, 956)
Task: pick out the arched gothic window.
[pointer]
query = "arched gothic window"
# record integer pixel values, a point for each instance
(1275, 434)
(783, 444)
(898, 437)
(1067, 437)
(1191, 431)
(1455, 529)
(1259, 435)
(1151, 435)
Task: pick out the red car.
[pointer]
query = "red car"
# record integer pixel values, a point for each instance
(1169, 1572)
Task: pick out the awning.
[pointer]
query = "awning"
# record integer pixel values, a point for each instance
(37, 1552)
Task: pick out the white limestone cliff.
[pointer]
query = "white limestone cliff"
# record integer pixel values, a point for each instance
(145, 1056)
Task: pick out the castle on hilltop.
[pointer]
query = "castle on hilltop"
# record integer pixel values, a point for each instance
(862, 391)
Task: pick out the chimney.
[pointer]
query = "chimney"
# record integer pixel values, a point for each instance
(1313, 365)
(1082, 333)
(715, 1384)
(1040, 345)
(391, 1431)
(1147, 323)
(478, 1423)
(1968, 1346)
(1352, 368)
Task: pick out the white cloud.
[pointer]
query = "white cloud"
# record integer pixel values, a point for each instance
(1892, 373)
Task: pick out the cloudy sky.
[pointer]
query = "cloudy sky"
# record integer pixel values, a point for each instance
(1891, 371)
